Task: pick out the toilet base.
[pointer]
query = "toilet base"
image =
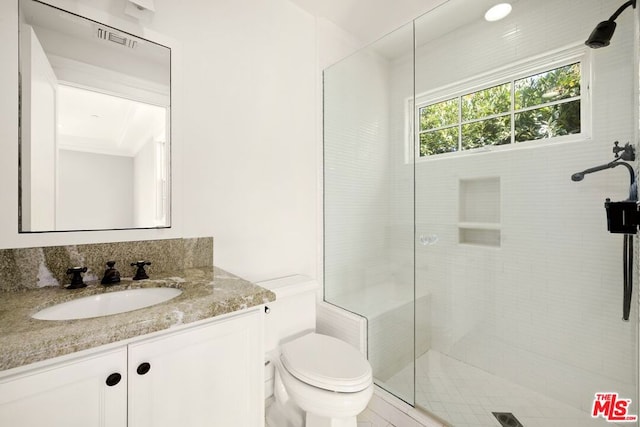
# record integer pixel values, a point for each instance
(314, 420)
(287, 415)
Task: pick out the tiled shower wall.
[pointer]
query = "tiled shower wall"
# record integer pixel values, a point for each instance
(544, 308)
(356, 176)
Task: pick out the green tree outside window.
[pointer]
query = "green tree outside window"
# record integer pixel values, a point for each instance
(543, 105)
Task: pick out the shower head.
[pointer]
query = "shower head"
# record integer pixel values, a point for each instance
(577, 176)
(601, 35)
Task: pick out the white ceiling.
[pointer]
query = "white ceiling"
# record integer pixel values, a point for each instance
(368, 20)
(99, 123)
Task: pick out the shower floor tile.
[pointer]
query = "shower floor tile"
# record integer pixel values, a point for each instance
(466, 396)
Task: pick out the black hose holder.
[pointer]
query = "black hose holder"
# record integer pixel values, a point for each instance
(622, 217)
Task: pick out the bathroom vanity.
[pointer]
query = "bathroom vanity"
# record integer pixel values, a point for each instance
(194, 360)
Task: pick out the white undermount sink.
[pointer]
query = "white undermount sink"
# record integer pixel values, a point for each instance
(108, 303)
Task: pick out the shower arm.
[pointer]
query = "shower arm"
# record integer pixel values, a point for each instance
(602, 33)
(622, 8)
(633, 194)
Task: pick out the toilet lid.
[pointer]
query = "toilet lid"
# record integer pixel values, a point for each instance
(326, 362)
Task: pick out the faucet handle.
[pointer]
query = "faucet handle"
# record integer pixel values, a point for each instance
(76, 280)
(140, 273)
(111, 275)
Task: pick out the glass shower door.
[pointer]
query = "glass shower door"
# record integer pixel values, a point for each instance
(368, 201)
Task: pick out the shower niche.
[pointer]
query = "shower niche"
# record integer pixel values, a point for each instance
(479, 212)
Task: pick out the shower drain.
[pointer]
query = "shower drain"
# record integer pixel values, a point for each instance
(507, 419)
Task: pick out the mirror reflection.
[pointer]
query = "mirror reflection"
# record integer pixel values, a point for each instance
(94, 125)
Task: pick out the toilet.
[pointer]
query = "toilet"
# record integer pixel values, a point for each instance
(311, 379)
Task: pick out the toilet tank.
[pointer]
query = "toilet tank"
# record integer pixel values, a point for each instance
(294, 310)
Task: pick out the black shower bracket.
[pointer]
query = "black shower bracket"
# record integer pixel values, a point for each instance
(622, 217)
(628, 152)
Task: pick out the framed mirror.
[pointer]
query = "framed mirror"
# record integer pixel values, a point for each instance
(95, 125)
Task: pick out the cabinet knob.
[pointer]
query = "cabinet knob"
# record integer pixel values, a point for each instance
(113, 379)
(143, 368)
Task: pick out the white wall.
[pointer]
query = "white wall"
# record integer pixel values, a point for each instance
(252, 171)
(334, 44)
(39, 123)
(244, 152)
(95, 190)
(145, 185)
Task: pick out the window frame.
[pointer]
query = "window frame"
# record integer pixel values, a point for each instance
(505, 74)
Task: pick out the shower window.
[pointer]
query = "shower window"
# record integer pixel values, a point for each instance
(527, 104)
(486, 117)
(548, 104)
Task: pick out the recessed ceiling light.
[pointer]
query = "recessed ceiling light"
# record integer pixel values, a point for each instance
(497, 12)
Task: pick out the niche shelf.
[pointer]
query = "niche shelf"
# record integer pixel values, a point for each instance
(479, 212)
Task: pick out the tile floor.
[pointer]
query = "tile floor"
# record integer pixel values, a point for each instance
(381, 413)
(369, 418)
(465, 396)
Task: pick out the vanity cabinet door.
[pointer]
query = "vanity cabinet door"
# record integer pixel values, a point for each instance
(68, 394)
(210, 375)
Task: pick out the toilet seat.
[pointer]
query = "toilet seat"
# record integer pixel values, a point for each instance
(327, 363)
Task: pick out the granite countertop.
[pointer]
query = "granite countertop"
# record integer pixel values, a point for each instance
(207, 292)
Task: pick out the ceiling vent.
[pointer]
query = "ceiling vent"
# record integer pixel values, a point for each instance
(117, 38)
